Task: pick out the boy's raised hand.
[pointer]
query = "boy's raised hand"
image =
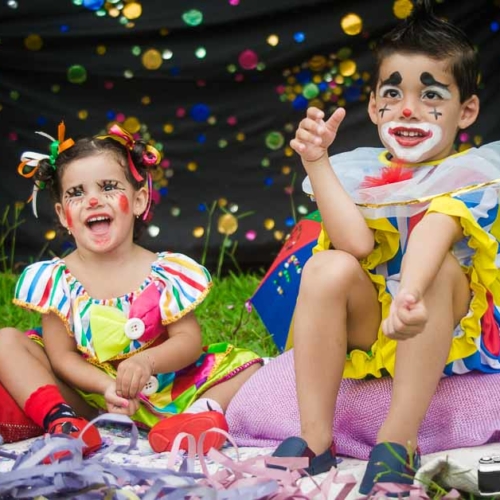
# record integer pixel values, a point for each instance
(314, 135)
(407, 316)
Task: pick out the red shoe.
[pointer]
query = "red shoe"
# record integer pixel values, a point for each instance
(161, 437)
(73, 426)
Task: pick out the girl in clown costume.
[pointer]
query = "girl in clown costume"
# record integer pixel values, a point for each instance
(118, 329)
(404, 279)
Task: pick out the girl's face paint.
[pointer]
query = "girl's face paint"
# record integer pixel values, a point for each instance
(100, 204)
(416, 107)
(124, 204)
(69, 219)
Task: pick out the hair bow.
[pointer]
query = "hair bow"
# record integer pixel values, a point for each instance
(124, 137)
(32, 159)
(151, 157)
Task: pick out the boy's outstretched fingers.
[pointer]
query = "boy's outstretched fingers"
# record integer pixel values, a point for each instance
(314, 135)
(333, 123)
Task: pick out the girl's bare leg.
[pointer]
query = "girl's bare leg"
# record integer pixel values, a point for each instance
(336, 301)
(421, 359)
(24, 367)
(224, 392)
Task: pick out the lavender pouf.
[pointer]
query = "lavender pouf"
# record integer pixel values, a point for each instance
(465, 411)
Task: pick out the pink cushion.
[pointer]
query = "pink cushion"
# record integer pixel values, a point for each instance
(465, 411)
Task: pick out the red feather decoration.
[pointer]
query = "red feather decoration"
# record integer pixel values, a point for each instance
(388, 175)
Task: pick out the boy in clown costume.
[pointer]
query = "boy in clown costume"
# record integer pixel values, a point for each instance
(404, 278)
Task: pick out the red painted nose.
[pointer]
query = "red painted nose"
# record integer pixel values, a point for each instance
(407, 113)
(93, 202)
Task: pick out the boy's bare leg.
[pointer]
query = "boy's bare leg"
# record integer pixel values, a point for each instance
(336, 300)
(24, 367)
(421, 359)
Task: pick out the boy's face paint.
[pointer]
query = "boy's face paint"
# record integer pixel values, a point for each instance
(416, 107)
(410, 144)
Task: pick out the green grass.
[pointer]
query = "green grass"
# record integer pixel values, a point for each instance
(11, 315)
(222, 315)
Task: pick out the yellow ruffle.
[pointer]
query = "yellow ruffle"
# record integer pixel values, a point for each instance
(382, 354)
(483, 273)
(483, 276)
(360, 363)
(386, 242)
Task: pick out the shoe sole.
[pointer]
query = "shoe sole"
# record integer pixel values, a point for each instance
(161, 437)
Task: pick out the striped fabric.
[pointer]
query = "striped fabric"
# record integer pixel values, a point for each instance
(181, 285)
(48, 286)
(476, 340)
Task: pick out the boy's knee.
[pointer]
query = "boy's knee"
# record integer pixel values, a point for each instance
(329, 269)
(449, 272)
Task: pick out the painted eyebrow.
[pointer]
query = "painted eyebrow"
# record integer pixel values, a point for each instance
(76, 186)
(394, 79)
(428, 80)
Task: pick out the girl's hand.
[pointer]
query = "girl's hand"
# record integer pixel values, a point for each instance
(117, 404)
(314, 136)
(407, 316)
(132, 375)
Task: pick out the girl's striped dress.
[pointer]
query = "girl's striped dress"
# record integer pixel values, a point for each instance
(393, 199)
(103, 330)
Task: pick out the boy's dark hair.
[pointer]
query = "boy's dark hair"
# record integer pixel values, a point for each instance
(424, 33)
(50, 175)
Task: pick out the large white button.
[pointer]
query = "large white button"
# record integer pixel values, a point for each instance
(134, 328)
(151, 386)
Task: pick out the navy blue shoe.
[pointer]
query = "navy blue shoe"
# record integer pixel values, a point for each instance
(297, 447)
(393, 461)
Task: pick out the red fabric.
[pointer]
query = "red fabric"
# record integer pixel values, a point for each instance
(14, 424)
(388, 175)
(39, 404)
(489, 327)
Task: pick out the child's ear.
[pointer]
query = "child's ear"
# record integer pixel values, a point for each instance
(141, 200)
(468, 112)
(372, 109)
(61, 215)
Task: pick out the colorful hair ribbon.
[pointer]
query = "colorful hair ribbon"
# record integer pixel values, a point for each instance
(150, 158)
(116, 133)
(32, 159)
(150, 195)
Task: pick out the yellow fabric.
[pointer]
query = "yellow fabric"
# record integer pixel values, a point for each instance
(483, 276)
(386, 246)
(108, 331)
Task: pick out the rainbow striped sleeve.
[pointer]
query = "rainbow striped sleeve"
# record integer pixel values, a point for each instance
(185, 284)
(41, 287)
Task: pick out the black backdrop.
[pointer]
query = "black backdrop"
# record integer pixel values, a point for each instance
(219, 86)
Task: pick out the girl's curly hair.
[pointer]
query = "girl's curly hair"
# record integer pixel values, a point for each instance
(50, 175)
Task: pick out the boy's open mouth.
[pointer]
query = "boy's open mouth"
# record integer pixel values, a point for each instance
(409, 137)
